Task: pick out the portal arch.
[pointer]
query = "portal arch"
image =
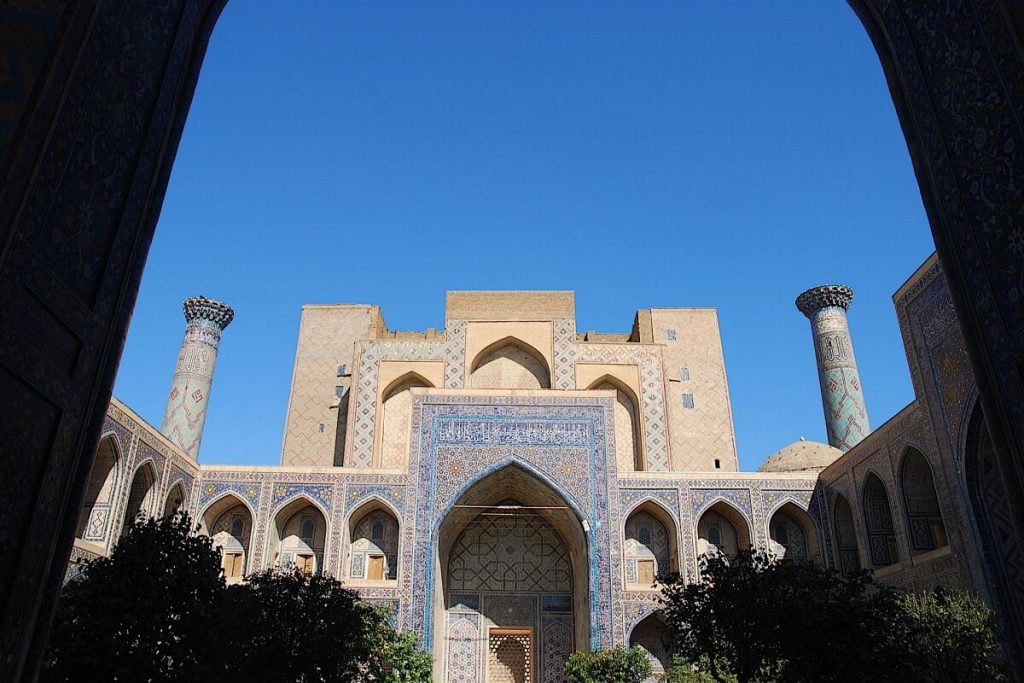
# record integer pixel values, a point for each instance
(140, 495)
(511, 556)
(229, 522)
(722, 529)
(793, 535)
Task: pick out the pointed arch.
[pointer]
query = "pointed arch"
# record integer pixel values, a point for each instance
(722, 528)
(542, 558)
(650, 547)
(298, 535)
(793, 535)
(228, 520)
(410, 378)
(395, 419)
(882, 547)
(649, 635)
(847, 548)
(175, 499)
(140, 494)
(373, 541)
(629, 452)
(97, 504)
(924, 516)
(509, 363)
(1000, 555)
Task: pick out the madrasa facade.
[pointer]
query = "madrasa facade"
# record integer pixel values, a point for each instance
(512, 486)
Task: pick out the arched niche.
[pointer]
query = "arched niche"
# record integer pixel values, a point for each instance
(1000, 555)
(228, 521)
(175, 500)
(373, 540)
(924, 517)
(509, 363)
(793, 535)
(94, 517)
(140, 495)
(298, 536)
(512, 556)
(649, 548)
(628, 441)
(722, 529)
(882, 548)
(847, 548)
(395, 418)
(649, 635)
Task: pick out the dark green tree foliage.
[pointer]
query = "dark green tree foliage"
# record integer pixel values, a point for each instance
(615, 665)
(752, 619)
(952, 636)
(158, 609)
(140, 614)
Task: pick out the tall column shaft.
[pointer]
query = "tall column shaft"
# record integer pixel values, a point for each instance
(842, 397)
(189, 397)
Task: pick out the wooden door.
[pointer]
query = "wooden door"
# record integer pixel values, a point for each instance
(232, 565)
(304, 563)
(375, 571)
(645, 572)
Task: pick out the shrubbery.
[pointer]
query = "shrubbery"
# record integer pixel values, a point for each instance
(752, 619)
(158, 609)
(615, 665)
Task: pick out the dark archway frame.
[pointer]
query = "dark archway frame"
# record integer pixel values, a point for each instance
(953, 68)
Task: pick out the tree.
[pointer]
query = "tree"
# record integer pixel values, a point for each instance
(158, 609)
(140, 614)
(950, 636)
(615, 665)
(753, 619)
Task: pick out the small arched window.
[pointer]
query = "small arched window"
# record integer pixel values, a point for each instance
(715, 536)
(307, 530)
(377, 534)
(237, 525)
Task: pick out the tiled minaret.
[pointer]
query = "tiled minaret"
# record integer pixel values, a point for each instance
(846, 416)
(193, 375)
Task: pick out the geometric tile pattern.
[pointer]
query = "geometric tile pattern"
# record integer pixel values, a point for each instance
(564, 345)
(842, 396)
(455, 354)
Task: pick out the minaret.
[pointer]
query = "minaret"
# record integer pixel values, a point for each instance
(193, 375)
(842, 397)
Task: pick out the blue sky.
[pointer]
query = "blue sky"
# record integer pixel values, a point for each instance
(726, 154)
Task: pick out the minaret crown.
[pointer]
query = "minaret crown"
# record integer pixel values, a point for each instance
(202, 308)
(816, 298)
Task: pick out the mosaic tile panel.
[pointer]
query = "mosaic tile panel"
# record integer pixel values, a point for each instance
(283, 492)
(464, 639)
(738, 497)
(564, 346)
(462, 439)
(455, 354)
(370, 354)
(357, 494)
(669, 498)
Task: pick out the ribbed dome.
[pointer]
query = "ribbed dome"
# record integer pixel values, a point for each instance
(802, 456)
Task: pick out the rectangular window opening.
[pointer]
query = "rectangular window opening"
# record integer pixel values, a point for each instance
(688, 401)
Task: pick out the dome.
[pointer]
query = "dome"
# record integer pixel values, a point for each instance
(802, 456)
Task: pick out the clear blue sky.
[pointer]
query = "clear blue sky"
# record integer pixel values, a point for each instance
(726, 154)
